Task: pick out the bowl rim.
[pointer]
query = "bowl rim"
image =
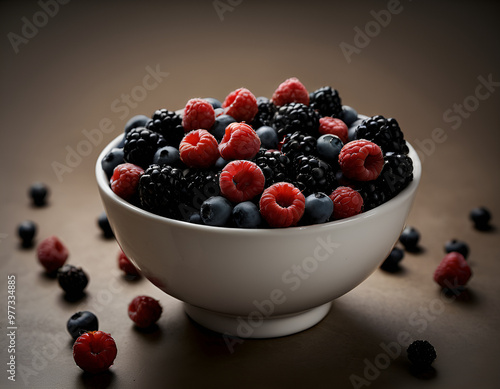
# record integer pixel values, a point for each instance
(103, 184)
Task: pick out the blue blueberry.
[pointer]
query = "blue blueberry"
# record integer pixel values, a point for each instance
(458, 246)
(353, 129)
(81, 322)
(268, 137)
(220, 163)
(38, 193)
(112, 160)
(409, 238)
(136, 121)
(349, 115)
(219, 127)
(216, 211)
(328, 147)
(391, 263)
(167, 155)
(481, 217)
(27, 231)
(246, 215)
(319, 208)
(214, 102)
(103, 223)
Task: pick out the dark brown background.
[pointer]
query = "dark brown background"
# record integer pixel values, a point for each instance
(68, 77)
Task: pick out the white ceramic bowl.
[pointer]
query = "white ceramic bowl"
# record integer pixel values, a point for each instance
(256, 283)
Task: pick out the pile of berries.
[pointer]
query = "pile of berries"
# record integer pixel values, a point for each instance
(298, 158)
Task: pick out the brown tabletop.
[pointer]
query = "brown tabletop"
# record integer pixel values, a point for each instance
(72, 73)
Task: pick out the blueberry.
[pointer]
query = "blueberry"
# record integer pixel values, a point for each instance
(214, 102)
(27, 231)
(246, 215)
(136, 121)
(349, 115)
(103, 223)
(73, 280)
(457, 246)
(481, 217)
(268, 137)
(167, 155)
(38, 193)
(195, 218)
(409, 238)
(220, 163)
(391, 263)
(328, 147)
(112, 160)
(81, 322)
(219, 127)
(319, 208)
(216, 211)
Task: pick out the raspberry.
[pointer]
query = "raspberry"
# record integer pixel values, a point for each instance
(126, 266)
(361, 160)
(199, 148)
(125, 180)
(241, 180)
(290, 91)
(240, 141)
(94, 351)
(329, 125)
(282, 205)
(144, 311)
(346, 202)
(52, 253)
(241, 104)
(453, 272)
(198, 114)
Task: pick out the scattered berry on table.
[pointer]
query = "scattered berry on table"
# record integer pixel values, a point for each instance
(328, 147)
(326, 101)
(216, 211)
(81, 322)
(219, 128)
(198, 114)
(241, 104)
(140, 146)
(73, 280)
(241, 180)
(199, 148)
(268, 137)
(27, 232)
(421, 353)
(112, 160)
(265, 113)
(94, 351)
(391, 263)
(282, 205)
(349, 115)
(384, 132)
(246, 215)
(296, 117)
(240, 141)
(318, 208)
(453, 272)
(127, 266)
(144, 311)
(347, 202)
(361, 160)
(52, 253)
(103, 223)
(334, 126)
(38, 193)
(274, 164)
(410, 238)
(125, 180)
(481, 217)
(168, 124)
(457, 245)
(290, 91)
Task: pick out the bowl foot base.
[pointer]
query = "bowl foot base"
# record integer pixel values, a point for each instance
(255, 325)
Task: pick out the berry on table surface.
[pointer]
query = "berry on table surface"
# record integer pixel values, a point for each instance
(326, 101)
(290, 91)
(38, 193)
(240, 141)
(391, 263)
(458, 246)
(318, 208)
(144, 311)
(453, 272)
(73, 280)
(52, 253)
(27, 232)
(361, 160)
(241, 180)
(103, 223)
(94, 351)
(334, 126)
(216, 211)
(125, 180)
(481, 217)
(409, 238)
(126, 265)
(241, 104)
(198, 114)
(81, 322)
(421, 353)
(199, 149)
(246, 215)
(282, 205)
(347, 202)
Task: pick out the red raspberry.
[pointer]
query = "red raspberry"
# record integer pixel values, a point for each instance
(241, 180)
(329, 125)
(282, 205)
(125, 180)
(240, 141)
(94, 351)
(52, 253)
(453, 272)
(126, 266)
(241, 104)
(199, 148)
(346, 202)
(198, 114)
(290, 91)
(144, 311)
(361, 160)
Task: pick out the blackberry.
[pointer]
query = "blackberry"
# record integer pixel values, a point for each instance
(169, 125)
(72, 280)
(141, 145)
(298, 143)
(397, 173)
(372, 194)
(265, 114)
(384, 132)
(296, 117)
(274, 164)
(326, 101)
(421, 353)
(200, 184)
(161, 189)
(311, 174)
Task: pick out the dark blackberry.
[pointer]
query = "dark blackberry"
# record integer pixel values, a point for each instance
(265, 114)
(372, 194)
(72, 280)
(421, 353)
(161, 189)
(274, 164)
(296, 117)
(200, 184)
(311, 174)
(169, 125)
(384, 132)
(298, 143)
(397, 173)
(326, 101)
(141, 145)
